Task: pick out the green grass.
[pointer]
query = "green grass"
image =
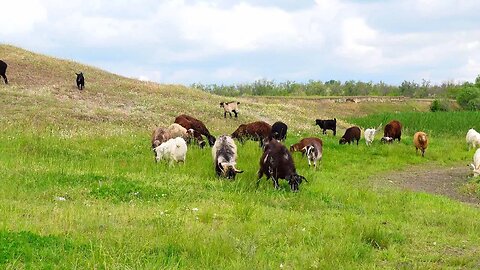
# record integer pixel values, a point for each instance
(80, 188)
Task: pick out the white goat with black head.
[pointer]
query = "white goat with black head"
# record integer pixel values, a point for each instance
(224, 153)
(229, 107)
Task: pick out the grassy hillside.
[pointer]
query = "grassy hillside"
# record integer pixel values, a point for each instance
(80, 188)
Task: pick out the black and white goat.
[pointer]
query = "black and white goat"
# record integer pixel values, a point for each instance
(314, 152)
(224, 153)
(229, 107)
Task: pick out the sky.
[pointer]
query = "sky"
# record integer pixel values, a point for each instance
(228, 42)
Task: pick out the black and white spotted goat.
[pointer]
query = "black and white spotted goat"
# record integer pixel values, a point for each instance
(229, 107)
(224, 153)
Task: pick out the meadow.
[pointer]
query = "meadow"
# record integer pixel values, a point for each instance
(80, 188)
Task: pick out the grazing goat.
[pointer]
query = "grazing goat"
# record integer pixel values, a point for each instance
(80, 81)
(229, 107)
(300, 146)
(257, 131)
(386, 140)
(369, 134)
(279, 131)
(314, 152)
(473, 139)
(3, 71)
(393, 130)
(421, 142)
(173, 150)
(327, 124)
(351, 134)
(476, 163)
(189, 122)
(159, 136)
(224, 153)
(277, 163)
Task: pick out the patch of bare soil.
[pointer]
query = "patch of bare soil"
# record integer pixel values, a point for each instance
(448, 182)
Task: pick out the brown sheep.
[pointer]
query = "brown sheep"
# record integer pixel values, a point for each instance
(420, 140)
(257, 131)
(393, 130)
(351, 134)
(300, 146)
(189, 122)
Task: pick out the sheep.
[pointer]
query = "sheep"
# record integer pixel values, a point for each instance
(198, 126)
(473, 139)
(300, 146)
(313, 152)
(229, 107)
(80, 81)
(277, 163)
(224, 153)
(476, 163)
(3, 71)
(327, 124)
(279, 131)
(421, 142)
(369, 135)
(159, 136)
(393, 130)
(351, 134)
(257, 131)
(173, 150)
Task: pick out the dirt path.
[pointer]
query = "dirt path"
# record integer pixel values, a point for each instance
(448, 182)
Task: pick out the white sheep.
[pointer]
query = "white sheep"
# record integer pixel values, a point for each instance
(473, 139)
(173, 150)
(476, 163)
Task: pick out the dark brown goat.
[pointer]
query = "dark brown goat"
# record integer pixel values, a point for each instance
(300, 146)
(3, 71)
(257, 131)
(189, 122)
(352, 134)
(277, 163)
(393, 130)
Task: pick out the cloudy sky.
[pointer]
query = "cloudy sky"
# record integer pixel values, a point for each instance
(188, 41)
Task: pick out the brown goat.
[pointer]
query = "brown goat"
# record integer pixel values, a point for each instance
(393, 130)
(189, 122)
(300, 146)
(421, 142)
(257, 131)
(351, 134)
(277, 163)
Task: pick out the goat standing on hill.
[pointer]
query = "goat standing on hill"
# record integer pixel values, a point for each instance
(3, 71)
(229, 107)
(80, 81)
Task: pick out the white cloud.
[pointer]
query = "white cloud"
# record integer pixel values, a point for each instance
(20, 16)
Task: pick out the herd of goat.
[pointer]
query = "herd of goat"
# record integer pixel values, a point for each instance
(276, 162)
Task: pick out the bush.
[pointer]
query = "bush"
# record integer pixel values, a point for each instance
(439, 105)
(469, 98)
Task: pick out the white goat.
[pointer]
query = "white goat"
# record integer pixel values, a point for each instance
(173, 150)
(473, 139)
(229, 107)
(476, 163)
(369, 134)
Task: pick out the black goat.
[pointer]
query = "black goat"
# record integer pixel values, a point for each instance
(80, 81)
(279, 131)
(327, 124)
(3, 70)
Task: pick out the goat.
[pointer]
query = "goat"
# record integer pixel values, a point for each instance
(173, 150)
(393, 130)
(3, 71)
(327, 124)
(80, 81)
(279, 131)
(473, 139)
(351, 134)
(386, 140)
(476, 163)
(224, 153)
(300, 146)
(369, 134)
(421, 142)
(229, 107)
(314, 152)
(277, 163)
(190, 122)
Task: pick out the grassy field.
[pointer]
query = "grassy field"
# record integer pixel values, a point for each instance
(80, 188)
